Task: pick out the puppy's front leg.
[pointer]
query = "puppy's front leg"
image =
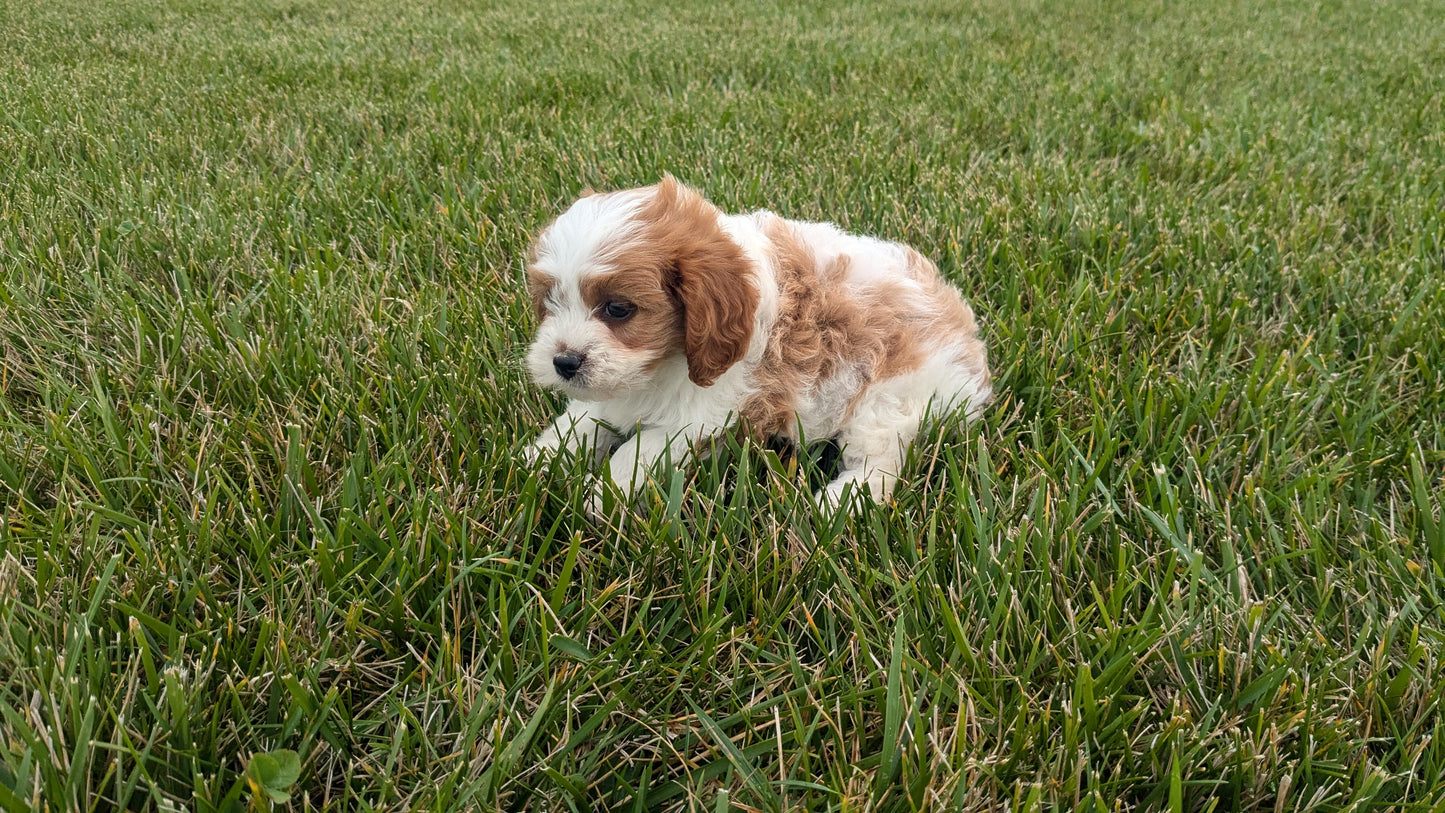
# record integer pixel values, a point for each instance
(634, 460)
(637, 459)
(576, 429)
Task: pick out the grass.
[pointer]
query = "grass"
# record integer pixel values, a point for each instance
(261, 407)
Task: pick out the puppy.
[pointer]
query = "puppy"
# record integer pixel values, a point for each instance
(666, 321)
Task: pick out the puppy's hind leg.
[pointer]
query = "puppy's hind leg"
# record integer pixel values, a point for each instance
(962, 381)
(875, 439)
(887, 417)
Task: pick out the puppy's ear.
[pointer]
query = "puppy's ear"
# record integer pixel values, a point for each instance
(718, 303)
(712, 279)
(539, 285)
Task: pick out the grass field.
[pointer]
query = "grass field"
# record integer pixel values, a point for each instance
(261, 407)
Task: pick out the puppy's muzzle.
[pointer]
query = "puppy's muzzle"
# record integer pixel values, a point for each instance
(567, 364)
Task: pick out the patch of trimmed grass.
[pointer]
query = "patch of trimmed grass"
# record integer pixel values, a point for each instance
(261, 406)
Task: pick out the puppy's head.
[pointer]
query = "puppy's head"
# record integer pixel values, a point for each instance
(623, 281)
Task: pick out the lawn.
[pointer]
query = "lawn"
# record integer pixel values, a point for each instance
(261, 407)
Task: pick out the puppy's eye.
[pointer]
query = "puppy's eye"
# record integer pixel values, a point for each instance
(618, 311)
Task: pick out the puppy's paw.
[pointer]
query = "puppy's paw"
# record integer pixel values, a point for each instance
(836, 495)
(595, 505)
(540, 451)
(606, 505)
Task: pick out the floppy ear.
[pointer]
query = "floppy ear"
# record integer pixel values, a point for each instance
(538, 286)
(713, 280)
(718, 303)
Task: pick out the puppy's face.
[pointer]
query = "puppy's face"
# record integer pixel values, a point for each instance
(625, 280)
(608, 316)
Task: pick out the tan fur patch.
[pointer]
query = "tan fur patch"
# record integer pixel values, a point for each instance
(953, 316)
(656, 323)
(539, 285)
(823, 323)
(680, 243)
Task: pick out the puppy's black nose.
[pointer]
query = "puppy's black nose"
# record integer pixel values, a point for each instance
(567, 364)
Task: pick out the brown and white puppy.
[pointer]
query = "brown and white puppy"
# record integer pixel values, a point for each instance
(667, 321)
